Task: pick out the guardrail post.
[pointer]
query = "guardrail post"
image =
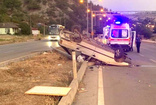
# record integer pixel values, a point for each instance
(74, 65)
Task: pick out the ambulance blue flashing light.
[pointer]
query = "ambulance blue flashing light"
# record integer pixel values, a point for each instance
(118, 22)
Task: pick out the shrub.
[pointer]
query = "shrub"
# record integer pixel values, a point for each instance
(12, 4)
(147, 33)
(154, 29)
(33, 6)
(142, 29)
(44, 2)
(25, 28)
(27, 1)
(62, 4)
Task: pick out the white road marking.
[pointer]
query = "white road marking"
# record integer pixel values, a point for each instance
(141, 55)
(100, 88)
(153, 60)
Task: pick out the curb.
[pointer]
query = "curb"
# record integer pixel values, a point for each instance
(4, 63)
(68, 99)
(149, 41)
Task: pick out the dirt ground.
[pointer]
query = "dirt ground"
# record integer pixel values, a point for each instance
(47, 69)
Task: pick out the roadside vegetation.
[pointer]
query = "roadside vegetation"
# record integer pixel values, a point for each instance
(47, 69)
(39, 13)
(7, 39)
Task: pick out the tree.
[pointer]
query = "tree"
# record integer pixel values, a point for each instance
(12, 4)
(154, 29)
(27, 1)
(147, 33)
(143, 30)
(62, 4)
(4, 18)
(34, 5)
(3, 9)
(17, 17)
(25, 28)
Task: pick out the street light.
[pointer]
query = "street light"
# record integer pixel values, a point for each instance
(87, 19)
(88, 10)
(93, 15)
(104, 15)
(102, 10)
(100, 18)
(81, 1)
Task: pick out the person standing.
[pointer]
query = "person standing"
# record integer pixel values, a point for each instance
(138, 42)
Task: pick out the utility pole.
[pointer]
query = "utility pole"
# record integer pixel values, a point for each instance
(30, 24)
(92, 31)
(87, 19)
(44, 29)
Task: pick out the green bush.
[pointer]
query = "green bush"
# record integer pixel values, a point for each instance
(51, 12)
(154, 29)
(25, 28)
(44, 2)
(69, 24)
(17, 17)
(33, 6)
(52, 21)
(147, 33)
(27, 1)
(4, 18)
(3, 9)
(62, 4)
(143, 30)
(12, 4)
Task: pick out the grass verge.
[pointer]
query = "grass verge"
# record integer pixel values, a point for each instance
(47, 69)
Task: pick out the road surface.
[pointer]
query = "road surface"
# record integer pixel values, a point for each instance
(134, 85)
(109, 85)
(11, 51)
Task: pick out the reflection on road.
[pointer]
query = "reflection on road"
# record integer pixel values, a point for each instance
(53, 44)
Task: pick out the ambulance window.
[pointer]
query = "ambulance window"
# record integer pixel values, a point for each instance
(115, 33)
(124, 34)
(119, 33)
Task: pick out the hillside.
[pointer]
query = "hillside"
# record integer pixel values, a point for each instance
(29, 13)
(65, 12)
(142, 15)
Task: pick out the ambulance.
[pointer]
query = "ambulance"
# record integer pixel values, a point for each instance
(119, 34)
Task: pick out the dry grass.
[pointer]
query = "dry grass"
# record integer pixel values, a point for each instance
(6, 39)
(48, 69)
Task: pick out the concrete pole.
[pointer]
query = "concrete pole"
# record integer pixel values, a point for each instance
(74, 65)
(30, 25)
(44, 29)
(92, 32)
(87, 19)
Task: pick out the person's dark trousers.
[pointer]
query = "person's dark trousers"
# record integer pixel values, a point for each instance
(138, 46)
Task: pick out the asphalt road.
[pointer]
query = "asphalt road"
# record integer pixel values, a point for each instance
(135, 85)
(11, 51)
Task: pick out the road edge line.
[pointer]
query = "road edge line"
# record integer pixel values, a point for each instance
(100, 88)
